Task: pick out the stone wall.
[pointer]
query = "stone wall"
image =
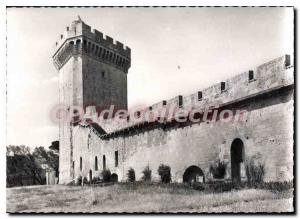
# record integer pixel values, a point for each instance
(267, 133)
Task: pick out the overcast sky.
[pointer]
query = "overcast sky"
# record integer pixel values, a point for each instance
(209, 45)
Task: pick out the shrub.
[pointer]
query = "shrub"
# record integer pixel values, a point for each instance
(164, 172)
(147, 174)
(255, 172)
(131, 175)
(106, 175)
(85, 180)
(96, 180)
(198, 186)
(218, 169)
(276, 186)
(78, 181)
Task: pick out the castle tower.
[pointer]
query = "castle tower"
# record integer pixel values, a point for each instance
(92, 72)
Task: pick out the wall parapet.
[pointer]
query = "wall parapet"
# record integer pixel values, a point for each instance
(265, 78)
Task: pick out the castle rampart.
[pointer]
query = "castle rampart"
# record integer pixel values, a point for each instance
(79, 39)
(270, 76)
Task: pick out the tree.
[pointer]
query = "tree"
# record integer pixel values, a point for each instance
(147, 174)
(26, 168)
(165, 173)
(131, 175)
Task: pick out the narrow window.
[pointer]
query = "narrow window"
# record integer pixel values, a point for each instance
(199, 95)
(103, 74)
(287, 60)
(180, 101)
(164, 102)
(116, 158)
(222, 86)
(73, 165)
(104, 162)
(96, 163)
(80, 163)
(251, 75)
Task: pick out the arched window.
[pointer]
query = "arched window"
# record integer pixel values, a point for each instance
(96, 163)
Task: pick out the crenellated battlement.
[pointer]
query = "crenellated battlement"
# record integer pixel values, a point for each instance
(265, 78)
(271, 75)
(79, 38)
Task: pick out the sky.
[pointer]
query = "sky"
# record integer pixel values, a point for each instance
(175, 51)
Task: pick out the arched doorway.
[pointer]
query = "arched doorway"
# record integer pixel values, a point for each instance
(91, 175)
(114, 177)
(237, 157)
(193, 174)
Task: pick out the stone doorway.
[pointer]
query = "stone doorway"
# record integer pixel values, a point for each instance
(114, 177)
(193, 174)
(237, 155)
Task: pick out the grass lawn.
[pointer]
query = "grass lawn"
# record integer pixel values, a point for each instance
(143, 198)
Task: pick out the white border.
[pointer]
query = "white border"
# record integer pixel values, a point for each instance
(102, 3)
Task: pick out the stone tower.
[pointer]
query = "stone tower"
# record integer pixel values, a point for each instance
(92, 72)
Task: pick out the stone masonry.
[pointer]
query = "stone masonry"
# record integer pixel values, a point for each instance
(93, 72)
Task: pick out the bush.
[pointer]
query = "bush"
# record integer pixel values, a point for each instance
(147, 174)
(198, 186)
(131, 175)
(218, 169)
(255, 172)
(95, 180)
(85, 180)
(164, 172)
(106, 175)
(275, 186)
(78, 181)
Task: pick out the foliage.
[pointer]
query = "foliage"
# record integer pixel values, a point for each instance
(131, 175)
(26, 168)
(106, 175)
(85, 180)
(254, 171)
(164, 172)
(147, 174)
(218, 169)
(78, 181)
(96, 180)
(275, 186)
